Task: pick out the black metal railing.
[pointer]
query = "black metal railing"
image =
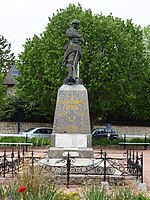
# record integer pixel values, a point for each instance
(104, 165)
(9, 163)
(135, 164)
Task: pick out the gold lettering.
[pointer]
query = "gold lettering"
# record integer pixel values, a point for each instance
(74, 101)
(73, 107)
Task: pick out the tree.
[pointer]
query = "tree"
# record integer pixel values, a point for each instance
(147, 41)
(112, 61)
(7, 58)
(141, 103)
(2, 94)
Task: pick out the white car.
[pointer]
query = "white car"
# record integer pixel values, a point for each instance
(40, 132)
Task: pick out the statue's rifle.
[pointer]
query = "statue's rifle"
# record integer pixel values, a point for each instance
(76, 71)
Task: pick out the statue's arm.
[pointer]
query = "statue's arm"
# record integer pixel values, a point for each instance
(74, 34)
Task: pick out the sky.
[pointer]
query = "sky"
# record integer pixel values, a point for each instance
(21, 19)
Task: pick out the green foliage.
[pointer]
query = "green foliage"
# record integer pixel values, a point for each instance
(147, 41)
(141, 103)
(29, 111)
(45, 191)
(39, 188)
(2, 93)
(105, 141)
(127, 193)
(95, 193)
(99, 193)
(112, 64)
(70, 196)
(140, 140)
(9, 108)
(39, 141)
(35, 141)
(6, 57)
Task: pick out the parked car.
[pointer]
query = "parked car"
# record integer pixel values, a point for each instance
(40, 132)
(105, 133)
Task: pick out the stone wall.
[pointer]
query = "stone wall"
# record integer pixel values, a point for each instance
(12, 127)
(131, 130)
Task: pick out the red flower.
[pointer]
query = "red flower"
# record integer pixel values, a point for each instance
(22, 189)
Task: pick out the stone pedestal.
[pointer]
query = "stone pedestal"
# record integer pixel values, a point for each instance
(142, 187)
(71, 128)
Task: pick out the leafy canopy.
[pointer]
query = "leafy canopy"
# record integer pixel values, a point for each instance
(142, 102)
(6, 61)
(112, 61)
(7, 58)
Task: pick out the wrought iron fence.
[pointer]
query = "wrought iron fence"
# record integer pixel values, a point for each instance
(104, 166)
(135, 164)
(9, 163)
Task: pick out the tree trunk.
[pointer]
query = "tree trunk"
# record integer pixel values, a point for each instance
(93, 119)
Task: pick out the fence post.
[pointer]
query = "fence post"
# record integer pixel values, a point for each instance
(141, 167)
(4, 162)
(124, 140)
(145, 139)
(133, 157)
(68, 169)
(19, 159)
(101, 153)
(105, 166)
(137, 165)
(32, 159)
(26, 142)
(12, 159)
(127, 160)
(23, 155)
(145, 146)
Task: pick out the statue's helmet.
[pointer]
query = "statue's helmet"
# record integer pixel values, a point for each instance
(75, 21)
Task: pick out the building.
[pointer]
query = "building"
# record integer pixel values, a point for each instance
(10, 80)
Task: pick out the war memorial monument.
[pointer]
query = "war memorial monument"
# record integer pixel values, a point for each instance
(71, 140)
(71, 128)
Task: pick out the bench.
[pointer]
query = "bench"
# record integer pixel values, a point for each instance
(26, 144)
(144, 143)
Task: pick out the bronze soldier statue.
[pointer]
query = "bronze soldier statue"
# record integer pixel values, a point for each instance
(72, 50)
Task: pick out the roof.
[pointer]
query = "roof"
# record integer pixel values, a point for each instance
(10, 77)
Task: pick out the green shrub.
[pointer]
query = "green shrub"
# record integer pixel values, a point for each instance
(105, 141)
(12, 139)
(40, 141)
(35, 141)
(61, 195)
(139, 140)
(99, 193)
(95, 193)
(40, 187)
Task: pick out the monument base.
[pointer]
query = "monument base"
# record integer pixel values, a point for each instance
(82, 170)
(60, 152)
(71, 128)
